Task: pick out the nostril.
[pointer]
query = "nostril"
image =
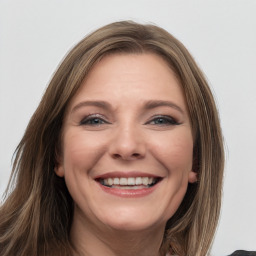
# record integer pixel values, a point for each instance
(127, 157)
(116, 156)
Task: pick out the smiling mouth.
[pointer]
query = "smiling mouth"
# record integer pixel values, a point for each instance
(129, 183)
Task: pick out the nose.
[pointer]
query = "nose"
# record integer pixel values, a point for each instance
(127, 144)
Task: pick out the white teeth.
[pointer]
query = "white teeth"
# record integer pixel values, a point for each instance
(131, 181)
(116, 181)
(123, 181)
(145, 181)
(138, 181)
(110, 181)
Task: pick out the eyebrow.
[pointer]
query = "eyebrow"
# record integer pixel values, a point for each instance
(101, 104)
(159, 103)
(148, 105)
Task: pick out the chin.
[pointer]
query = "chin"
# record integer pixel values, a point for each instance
(133, 220)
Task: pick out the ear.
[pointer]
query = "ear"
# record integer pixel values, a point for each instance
(59, 170)
(59, 166)
(192, 177)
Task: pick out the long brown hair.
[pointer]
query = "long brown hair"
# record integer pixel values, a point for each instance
(37, 214)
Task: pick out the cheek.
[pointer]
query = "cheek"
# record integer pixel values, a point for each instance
(81, 149)
(175, 150)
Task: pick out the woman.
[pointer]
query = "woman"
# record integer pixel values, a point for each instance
(123, 156)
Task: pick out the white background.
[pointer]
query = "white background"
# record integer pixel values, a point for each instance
(220, 34)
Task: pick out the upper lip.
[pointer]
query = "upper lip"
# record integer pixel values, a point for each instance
(125, 174)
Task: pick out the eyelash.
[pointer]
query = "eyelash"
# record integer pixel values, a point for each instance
(90, 118)
(165, 120)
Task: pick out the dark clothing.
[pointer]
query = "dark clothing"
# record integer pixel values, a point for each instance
(243, 253)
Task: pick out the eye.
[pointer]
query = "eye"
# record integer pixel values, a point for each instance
(163, 121)
(93, 120)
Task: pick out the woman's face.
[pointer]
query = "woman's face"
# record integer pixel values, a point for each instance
(127, 144)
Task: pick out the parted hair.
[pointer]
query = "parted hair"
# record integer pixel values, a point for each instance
(37, 210)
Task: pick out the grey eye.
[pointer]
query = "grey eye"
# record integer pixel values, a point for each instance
(93, 121)
(163, 120)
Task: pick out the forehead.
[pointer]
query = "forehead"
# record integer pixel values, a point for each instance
(120, 75)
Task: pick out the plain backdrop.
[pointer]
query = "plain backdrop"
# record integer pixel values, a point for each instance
(220, 34)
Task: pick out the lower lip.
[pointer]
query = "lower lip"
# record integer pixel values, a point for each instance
(128, 193)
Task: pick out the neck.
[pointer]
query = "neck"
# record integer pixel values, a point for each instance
(89, 240)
